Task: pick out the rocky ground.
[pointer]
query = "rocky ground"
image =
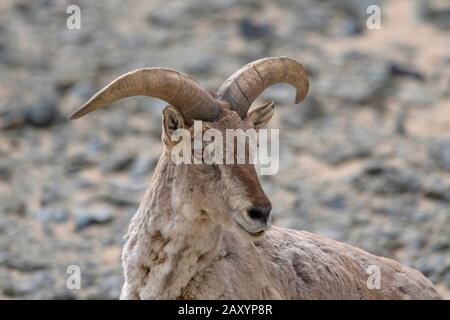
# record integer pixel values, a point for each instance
(364, 160)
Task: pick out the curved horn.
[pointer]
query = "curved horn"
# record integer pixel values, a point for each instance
(246, 84)
(176, 88)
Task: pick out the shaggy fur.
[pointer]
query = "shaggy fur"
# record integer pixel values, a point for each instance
(184, 243)
(203, 230)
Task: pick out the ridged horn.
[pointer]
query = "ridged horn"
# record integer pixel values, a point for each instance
(176, 88)
(246, 84)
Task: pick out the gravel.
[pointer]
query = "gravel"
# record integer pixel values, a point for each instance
(365, 159)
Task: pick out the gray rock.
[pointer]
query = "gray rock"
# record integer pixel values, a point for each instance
(401, 209)
(351, 27)
(200, 65)
(416, 94)
(310, 109)
(279, 93)
(434, 266)
(25, 264)
(143, 164)
(165, 16)
(433, 12)
(400, 121)
(109, 288)
(94, 217)
(30, 286)
(336, 202)
(11, 119)
(437, 190)
(63, 294)
(13, 204)
(251, 30)
(50, 214)
(386, 180)
(404, 70)
(77, 162)
(52, 194)
(378, 240)
(356, 78)
(82, 90)
(118, 161)
(42, 114)
(440, 153)
(122, 194)
(441, 243)
(338, 154)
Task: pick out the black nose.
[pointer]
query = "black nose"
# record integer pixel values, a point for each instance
(260, 213)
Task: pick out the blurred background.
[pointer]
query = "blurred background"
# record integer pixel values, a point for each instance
(364, 160)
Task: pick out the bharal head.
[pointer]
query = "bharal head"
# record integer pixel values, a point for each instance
(229, 193)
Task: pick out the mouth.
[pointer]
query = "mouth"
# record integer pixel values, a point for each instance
(254, 234)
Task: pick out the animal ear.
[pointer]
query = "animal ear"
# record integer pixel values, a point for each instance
(171, 121)
(261, 115)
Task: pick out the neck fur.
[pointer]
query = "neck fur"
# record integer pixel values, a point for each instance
(166, 248)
